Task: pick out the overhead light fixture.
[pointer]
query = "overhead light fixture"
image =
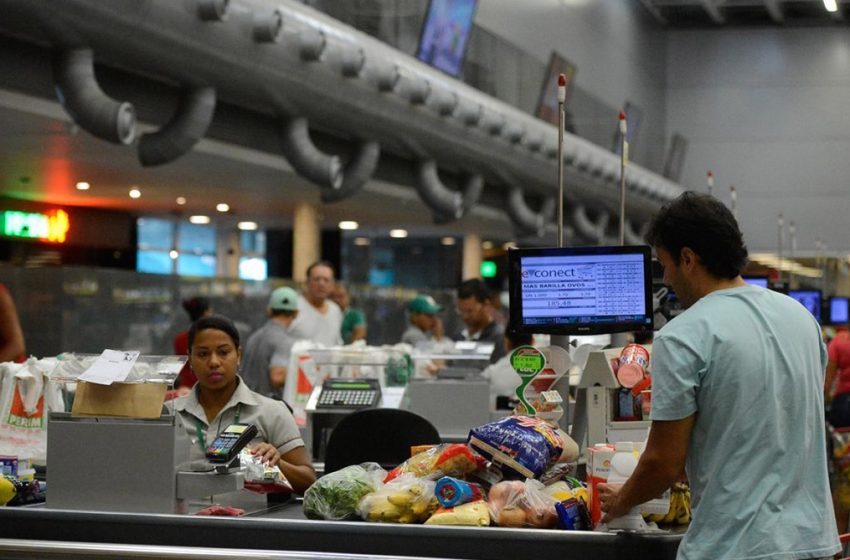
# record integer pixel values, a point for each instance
(447, 241)
(173, 254)
(348, 224)
(83, 186)
(247, 226)
(181, 200)
(830, 5)
(362, 241)
(487, 245)
(135, 193)
(398, 233)
(222, 207)
(509, 245)
(199, 219)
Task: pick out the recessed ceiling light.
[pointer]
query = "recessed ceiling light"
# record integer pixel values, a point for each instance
(247, 226)
(398, 233)
(362, 241)
(135, 193)
(448, 241)
(181, 200)
(348, 224)
(199, 219)
(487, 245)
(83, 186)
(222, 207)
(509, 245)
(173, 254)
(830, 5)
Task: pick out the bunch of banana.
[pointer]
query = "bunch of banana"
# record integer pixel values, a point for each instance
(407, 505)
(680, 507)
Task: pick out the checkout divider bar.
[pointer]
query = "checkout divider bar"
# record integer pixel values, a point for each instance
(21, 549)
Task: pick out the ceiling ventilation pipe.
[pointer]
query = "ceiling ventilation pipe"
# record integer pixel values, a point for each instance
(592, 231)
(81, 96)
(188, 125)
(448, 205)
(525, 220)
(213, 10)
(632, 237)
(310, 162)
(357, 172)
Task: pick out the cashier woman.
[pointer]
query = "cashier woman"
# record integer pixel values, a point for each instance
(221, 398)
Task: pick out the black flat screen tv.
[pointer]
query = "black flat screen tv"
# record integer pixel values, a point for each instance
(839, 310)
(580, 290)
(810, 300)
(445, 34)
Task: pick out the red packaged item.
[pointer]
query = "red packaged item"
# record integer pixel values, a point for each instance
(447, 459)
(634, 359)
(221, 511)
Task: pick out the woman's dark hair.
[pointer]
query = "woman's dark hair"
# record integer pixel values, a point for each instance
(703, 224)
(218, 322)
(196, 307)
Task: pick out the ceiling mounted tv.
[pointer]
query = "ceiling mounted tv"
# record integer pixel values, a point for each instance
(547, 104)
(580, 290)
(445, 34)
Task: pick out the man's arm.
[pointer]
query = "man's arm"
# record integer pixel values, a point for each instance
(11, 335)
(277, 377)
(660, 465)
(829, 380)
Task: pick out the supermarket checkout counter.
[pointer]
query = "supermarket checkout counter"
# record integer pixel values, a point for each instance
(285, 529)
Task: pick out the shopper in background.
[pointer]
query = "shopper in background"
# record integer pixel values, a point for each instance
(502, 376)
(196, 307)
(221, 398)
(737, 401)
(353, 320)
(425, 324)
(11, 335)
(266, 354)
(319, 319)
(837, 394)
(475, 310)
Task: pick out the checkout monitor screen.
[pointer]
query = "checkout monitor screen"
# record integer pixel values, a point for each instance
(810, 300)
(580, 290)
(838, 310)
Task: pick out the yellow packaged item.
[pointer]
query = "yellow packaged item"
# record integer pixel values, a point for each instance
(474, 514)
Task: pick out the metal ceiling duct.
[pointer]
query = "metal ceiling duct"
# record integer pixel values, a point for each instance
(356, 173)
(338, 79)
(188, 125)
(525, 220)
(81, 96)
(588, 229)
(310, 162)
(447, 204)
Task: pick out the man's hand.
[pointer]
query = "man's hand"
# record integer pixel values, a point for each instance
(610, 503)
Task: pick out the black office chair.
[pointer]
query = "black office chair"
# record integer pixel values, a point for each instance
(381, 435)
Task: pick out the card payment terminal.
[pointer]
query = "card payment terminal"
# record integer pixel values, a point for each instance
(349, 393)
(230, 442)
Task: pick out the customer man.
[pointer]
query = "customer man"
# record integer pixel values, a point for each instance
(265, 356)
(353, 319)
(737, 400)
(319, 318)
(476, 312)
(425, 325)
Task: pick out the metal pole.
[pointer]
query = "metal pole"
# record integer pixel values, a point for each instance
(733, 198)
(779, 223)
(624, 158)
(710, 182)
(792, 232)
(562, 96)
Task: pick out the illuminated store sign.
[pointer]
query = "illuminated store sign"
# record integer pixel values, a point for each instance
(51, 226)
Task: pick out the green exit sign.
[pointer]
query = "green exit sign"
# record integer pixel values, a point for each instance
(488, 269)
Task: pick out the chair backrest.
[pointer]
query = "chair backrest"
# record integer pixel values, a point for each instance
(382, 435)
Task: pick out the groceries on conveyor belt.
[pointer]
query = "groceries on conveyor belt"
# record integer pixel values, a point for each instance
(475, 484)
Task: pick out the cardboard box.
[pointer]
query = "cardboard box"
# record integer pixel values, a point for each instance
(128, 400)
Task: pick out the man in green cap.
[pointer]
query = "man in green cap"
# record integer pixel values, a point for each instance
(425, 325)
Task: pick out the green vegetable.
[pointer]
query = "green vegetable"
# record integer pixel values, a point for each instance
(335, 495)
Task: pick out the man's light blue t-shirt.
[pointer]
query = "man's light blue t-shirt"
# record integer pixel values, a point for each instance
(750, 363)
